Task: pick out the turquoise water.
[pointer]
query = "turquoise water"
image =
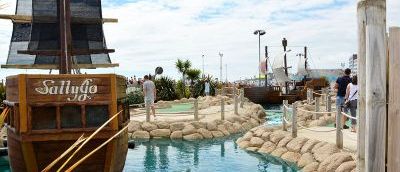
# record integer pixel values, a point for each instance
(181, 107)
(4, 165)
(214, 155)
(274, 114)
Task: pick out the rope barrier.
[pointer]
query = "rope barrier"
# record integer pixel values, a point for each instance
(348, 116)
(287, 121)
(318, 93)
(313, 112)
(287, 107)
(319, 131)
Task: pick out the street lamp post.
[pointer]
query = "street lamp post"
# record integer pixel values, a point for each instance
(202, 56)
(226, 73)
(284, 44)
(259, 33)
(220, 66)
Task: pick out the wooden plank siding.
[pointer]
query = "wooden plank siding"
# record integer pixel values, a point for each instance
(376, 83)
(393, 156)
(32, 149)
(361, 118)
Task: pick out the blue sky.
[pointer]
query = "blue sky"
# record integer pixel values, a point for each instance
(153, 33)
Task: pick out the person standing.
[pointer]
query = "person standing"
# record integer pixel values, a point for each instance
(207, 88)
(341, 87)
(149, 93)
(351, 99)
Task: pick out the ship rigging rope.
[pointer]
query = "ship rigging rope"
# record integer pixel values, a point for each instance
(87, 140)
(77, 142)
(95, 150)
(4, 115)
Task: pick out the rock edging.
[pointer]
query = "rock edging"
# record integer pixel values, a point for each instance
(196, 130)
(308, 154)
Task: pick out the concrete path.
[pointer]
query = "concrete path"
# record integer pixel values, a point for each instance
(205, 115)
(349, 138)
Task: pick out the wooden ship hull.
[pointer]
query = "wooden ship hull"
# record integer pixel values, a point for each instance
(274, 95)
(50, 112)
(268, 95)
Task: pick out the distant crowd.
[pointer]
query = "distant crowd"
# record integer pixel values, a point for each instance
(136, 82)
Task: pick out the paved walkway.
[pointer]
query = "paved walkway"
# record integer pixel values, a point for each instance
(349, 138)
(205, 115)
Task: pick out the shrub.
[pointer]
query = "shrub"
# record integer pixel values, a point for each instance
(182, 92)
(2, 93)
(198, 88)
(135, 97)
(165, 89)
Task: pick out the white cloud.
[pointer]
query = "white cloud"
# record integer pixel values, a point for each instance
(156, 33)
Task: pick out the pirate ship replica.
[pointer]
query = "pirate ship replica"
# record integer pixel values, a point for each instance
(48, 113)
(285, 88)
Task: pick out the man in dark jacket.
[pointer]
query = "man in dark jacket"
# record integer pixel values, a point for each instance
(341, 86)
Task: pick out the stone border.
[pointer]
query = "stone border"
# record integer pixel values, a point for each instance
(309, 155)
(195, 130)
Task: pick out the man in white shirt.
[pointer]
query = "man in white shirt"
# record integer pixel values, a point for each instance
(149, 93)
(207, 88)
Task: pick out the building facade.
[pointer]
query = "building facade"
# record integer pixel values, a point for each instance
(353, 63)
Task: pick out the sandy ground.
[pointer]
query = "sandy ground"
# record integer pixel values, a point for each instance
(349, 138)
(209, 114)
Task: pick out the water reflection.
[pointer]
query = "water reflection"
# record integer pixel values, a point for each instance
(207, 155)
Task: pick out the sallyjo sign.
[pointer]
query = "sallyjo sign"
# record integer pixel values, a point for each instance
(79, 92)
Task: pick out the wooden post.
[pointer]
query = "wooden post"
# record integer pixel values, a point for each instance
(361, 86)
(294, 120)
(222, 109)
(339, 134)
(223, 91)
(147, 106)
(285, 103)
(323, 96)
(394, 101)
(317, 102)
(235, 98)
(308, 96)
(328, 103)
(241, 98)
(196, 109)
(376, 82)
(311, 95)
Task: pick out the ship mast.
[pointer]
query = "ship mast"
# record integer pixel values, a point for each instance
(65, 37)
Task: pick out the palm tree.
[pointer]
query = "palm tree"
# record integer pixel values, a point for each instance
(193, 74)
(183, 67)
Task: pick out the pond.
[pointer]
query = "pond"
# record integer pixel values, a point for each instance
(217, 155)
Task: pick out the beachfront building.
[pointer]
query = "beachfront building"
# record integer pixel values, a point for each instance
(353, 64)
